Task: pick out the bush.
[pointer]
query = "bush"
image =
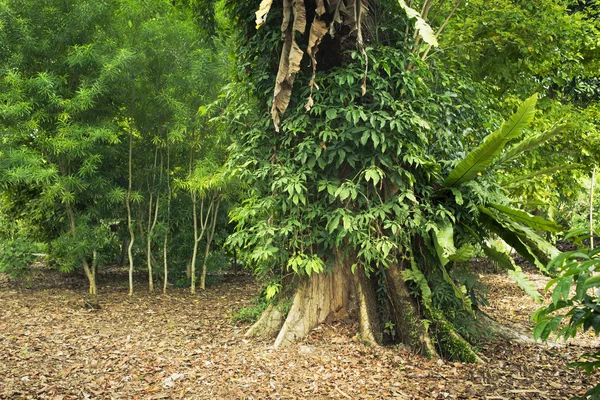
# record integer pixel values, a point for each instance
(16, 256)
(251, 313)
(576, 269)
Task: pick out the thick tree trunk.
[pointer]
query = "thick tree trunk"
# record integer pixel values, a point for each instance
(322, 297)
(329, 297)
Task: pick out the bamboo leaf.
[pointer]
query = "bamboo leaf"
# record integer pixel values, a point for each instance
(482, 156)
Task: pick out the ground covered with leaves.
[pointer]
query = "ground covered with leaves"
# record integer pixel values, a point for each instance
(154, 346)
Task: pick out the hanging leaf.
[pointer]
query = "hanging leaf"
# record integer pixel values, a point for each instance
(487, 218)
(422, 27)
(532, 244)
(524, 283)
(262, 12)
(464, 253)
(535, 222)
(466, 301)
(443, 240)
(415, 275)
(505, 261)
(480, 158)
(318, 29)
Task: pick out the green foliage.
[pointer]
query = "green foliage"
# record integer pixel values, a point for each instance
(251, 313)
(76, 79)
(580, 310)
(402, 176)
(480, 158)
(516, 49)
(17, 255)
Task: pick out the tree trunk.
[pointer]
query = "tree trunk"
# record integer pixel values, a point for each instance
(367, 308)
(90, 273)
(192, 272)
(593, 182)
(209, 237)
(322, 297)
(128, 205)
(165, 258)
(327, 297)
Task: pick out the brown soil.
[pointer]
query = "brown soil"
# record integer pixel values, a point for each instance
(178, 346)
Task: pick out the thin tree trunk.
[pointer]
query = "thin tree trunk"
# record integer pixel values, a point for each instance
(128, 205)
(149, 244)
(124, 245)
(209, 237)
(592, 207)
(440, 29)
(89, 273)
(94, 288)
(198, 233)
(165, 258)
(152, 218)
(195, 248)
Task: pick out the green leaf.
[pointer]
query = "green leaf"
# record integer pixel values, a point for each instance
(372, 174)
(592, 282)
(534, 222)
(518, 181)
(465, 253)
(466, 301)
(415, 275)
(481, 157)
(422, 27)
(532, 142)
(443, 240)
(457, 196)
(539, 329)
(530, 245)
(524, 283)
(561, 291)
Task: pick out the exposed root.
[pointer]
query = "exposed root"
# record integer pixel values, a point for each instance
(450, 344)
(511, 334)
(269, 323)
(409, 326)
(370, 331)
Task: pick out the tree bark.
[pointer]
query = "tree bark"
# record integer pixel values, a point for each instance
(322, 297)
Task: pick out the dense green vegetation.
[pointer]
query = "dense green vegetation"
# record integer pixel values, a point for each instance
(355, 154)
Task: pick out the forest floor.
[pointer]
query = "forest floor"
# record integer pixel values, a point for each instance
(179, 346)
